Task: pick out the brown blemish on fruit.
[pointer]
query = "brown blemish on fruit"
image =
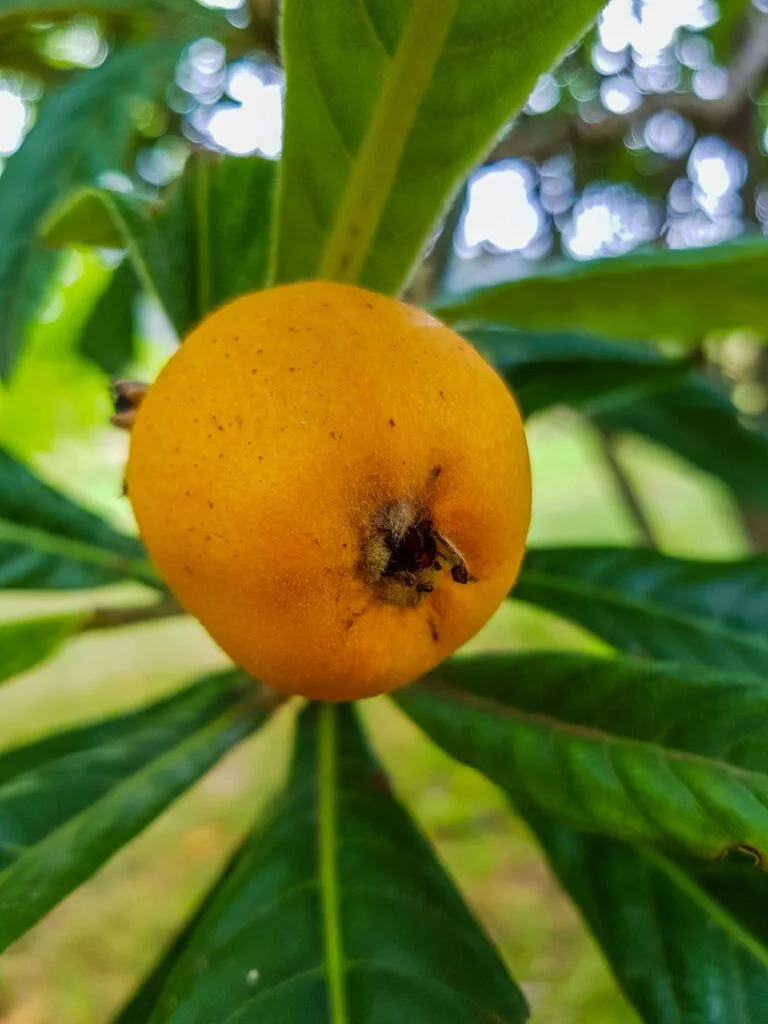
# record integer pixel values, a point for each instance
(403, 553)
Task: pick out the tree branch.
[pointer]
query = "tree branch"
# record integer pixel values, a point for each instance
(110, 618)
(629, 496)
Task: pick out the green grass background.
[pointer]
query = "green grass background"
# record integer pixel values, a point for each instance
(78, 965)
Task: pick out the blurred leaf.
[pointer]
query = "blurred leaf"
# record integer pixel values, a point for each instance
(709, 613)
(574, 369)
(49, 542)
(373, 152)
(336, 910)
(84, 219)
(26, 642)
(697, 421)
(658, 754)
(108, 336)
(188, 15)
(688, 943)
(158, 255)
(81, 130)
(208, 243)
(72, 800)
(682, 293)
(219, 218)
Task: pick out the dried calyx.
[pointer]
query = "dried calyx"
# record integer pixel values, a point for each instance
(127, 396)
(404, 555)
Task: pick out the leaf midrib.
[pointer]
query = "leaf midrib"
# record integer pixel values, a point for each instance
(327, 779)
(403, 87)
(711, 907)
(667, 612)
(46, 543)
(594, 735)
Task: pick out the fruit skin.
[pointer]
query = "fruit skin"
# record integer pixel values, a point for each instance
(268, 446)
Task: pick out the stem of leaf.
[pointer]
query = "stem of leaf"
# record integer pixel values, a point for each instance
(329, 882)
(629, 496)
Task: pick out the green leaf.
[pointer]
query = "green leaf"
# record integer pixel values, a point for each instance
(49, 542)
(156, 249)
(71, 801)
(108, 336)
(697, 421)
(579, 370)
(27, 642)
(184, 18)
(682, 293)
(390, 103)
(688, 943)
(709, 613)
(206, 244)
(667, 755)
(81, 130)
(337, 911)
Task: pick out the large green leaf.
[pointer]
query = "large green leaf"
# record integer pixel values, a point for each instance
(684, 293)
(687, 942)
(545, 369)
(108, 336)
(207, 243)
(27, 642)
(390, 103)
(666, 755)
(49, 542)
(69, 802)
(698, 422)
(337, 911)
(710, 613)
(81, 130)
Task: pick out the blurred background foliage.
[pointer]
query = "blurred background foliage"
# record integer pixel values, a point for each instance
(652, 134)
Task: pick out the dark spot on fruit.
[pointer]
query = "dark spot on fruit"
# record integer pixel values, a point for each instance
(435, 472)
(392, 423)
(433, 631)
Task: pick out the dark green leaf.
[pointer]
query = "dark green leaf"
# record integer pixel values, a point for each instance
(108, 336)
(574, 369)
(71, 801)
(683, 293)
(26, 642)
(667, 755)
(698, 422)
(688, 943)
(373, 153)
(81, 130)
(49, 542)
(710, 613)
(337, 911)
